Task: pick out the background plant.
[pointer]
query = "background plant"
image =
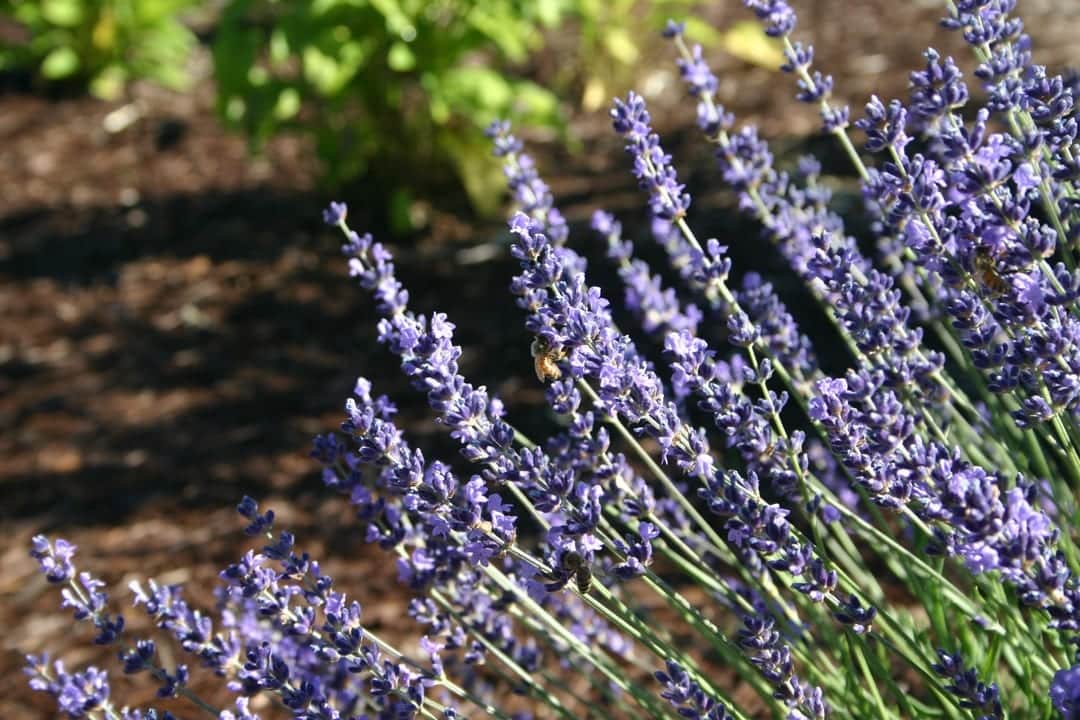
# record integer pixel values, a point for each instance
(104, 43)
(399, 85)
(376, 82)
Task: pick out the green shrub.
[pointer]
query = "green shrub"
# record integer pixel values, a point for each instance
(394, 83)
(104, 43)
(404, 88)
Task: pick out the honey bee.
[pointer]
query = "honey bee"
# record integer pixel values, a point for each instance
(544, 359)
(583, 578)
(507, 544)
(769, 450)
(575, 563)
(985, 270)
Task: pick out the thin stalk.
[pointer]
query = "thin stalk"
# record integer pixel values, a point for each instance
(643, 697)
(156, 670)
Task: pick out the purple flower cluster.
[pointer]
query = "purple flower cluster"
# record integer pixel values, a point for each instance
(1065, 692)
(657, 176)
(705, 267)
(656, 308)
(873, 425)
(567, 483)
(83, 593)
(575, 318)
(530, 192)
(86, 693)
(982, 699)
(687, 697)
(291, 595)
(797, 219)
(745, 423)
(429, 356)
(285, 630)
(773, 657)
(965, 215)
(975, 516)
(779, 21)
(76, 693)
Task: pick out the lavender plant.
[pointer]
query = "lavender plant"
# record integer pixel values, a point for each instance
(896, 541)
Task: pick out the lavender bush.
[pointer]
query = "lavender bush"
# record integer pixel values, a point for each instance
(897, 541)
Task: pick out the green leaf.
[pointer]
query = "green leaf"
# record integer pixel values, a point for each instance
(401, 57)
(397, 22)
(401, 202)
(330, 73)
(234, 52)
(109, 83)
(548, 12)
(469, 89)
(320, 69)
(512, 39)
(439, 110)
(170, 76)
(65, 13)
(702, 32)
(482, 178)
(279, 46)
(288, 104)
(748, 42)
(258, 76)
(103, 36)
(620, 46)
(535, 104)
(235, 109)
(60, 63)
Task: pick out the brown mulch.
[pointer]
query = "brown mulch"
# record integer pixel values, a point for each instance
(176, 324)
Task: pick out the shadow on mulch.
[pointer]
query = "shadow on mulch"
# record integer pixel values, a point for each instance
(221, 331)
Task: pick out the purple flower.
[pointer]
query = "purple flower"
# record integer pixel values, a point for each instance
(885, 127)
(776, 15)
(687, 696)
(673, 29)
(936, 91)
(1065, 692)
(335, 213)
(531, 193)
(83, 593)
(657, 308)
(975, 517)
(813, 87)
(773, 657)
(577, 319)
(78, 694)
(260, 524)
(54, 559)
(987, 252)
(652, 167)
(982, 699)
(865, 302)
(296, 598)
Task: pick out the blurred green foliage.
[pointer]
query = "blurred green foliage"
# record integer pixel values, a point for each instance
(403, 88)
(399, 87)
(611, 38)
(397, 90)
(104, 43)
